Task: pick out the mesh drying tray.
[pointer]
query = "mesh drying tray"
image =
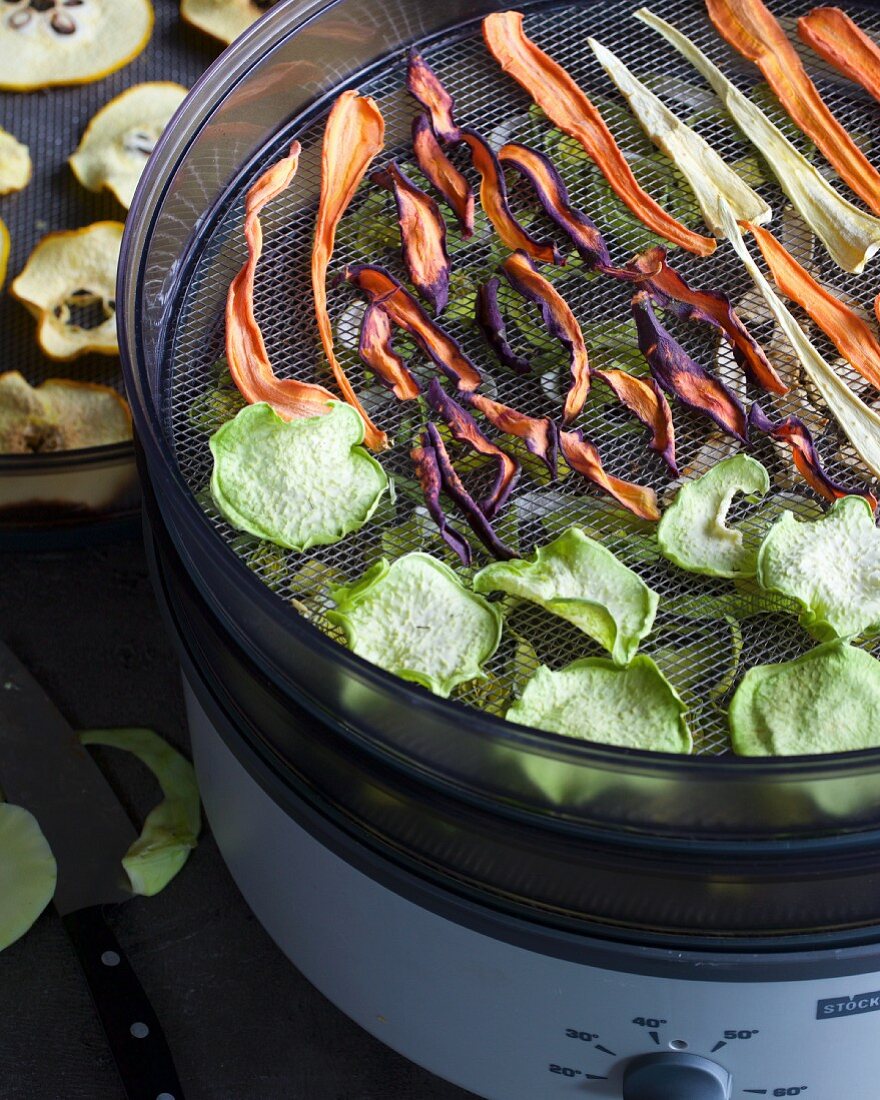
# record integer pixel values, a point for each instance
(68, 489)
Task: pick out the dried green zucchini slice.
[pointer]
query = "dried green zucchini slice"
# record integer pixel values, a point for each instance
(27, 872)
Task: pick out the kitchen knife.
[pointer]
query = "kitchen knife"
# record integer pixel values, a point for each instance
(44, 768)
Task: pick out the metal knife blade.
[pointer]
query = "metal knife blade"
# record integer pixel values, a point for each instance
(44, 768)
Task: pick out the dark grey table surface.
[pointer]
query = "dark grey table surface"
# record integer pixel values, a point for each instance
(242, 1022)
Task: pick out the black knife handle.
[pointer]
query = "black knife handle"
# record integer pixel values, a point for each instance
(132, 1028)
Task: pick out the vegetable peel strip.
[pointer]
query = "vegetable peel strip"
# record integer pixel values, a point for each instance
(834, 36)
(646, 401)
(670, 292)
(491, 321)
(407, 314)
(751, 28)
(583, 457)
(561, 323)
(860, 424)
(354, 134)
(707, 174)
(849, 333)
(425, 86)
(377, 351)
(539, 435)
(246, 353)
(428, 475)
(442, 174)
(569, 108)
(850, 235)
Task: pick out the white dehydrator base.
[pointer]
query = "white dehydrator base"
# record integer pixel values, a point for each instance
(497, 1019)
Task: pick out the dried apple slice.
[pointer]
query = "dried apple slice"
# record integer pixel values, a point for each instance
(594, 700)
(114, 149)
(828, 700)
(27, 872)
(44, 43)
(297, 483)
(577, 579)
(59, 415)
(171, 829)
(706, 173)
(15, 163)
(694, 533)
(69, 279)
(224, 20)
(830, 566)
(414, 618)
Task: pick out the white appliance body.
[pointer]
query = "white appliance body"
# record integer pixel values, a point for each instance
(504, 1021)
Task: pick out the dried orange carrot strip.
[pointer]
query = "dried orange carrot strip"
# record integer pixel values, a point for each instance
(569, 108)
(561, 323)
(647, 402)
(354, 134)
(834, 36)
(849, 333)
(246, 352)
(753, 30)
(583, 456)
(377, 351)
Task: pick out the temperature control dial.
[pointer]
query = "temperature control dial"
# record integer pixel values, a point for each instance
(683, 1076)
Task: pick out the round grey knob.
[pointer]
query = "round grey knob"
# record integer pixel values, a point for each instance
(678, 1076)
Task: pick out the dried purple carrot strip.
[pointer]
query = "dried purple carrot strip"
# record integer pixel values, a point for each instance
(538, 434)
(561, 324)
(428, 475)
(681, 376)
(492, 324)
(425, 86)
(493, 199)
(442, 174)
(406, 312)
(793, 431)
(466, 430)
(422, 235)
(455, 489)
(670, 292)
(377, 351)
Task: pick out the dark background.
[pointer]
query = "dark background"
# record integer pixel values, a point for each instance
(242, 1022)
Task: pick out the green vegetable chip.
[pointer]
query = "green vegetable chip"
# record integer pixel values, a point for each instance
(27, 872)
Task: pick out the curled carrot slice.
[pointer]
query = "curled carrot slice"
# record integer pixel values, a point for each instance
(354, 134)
(428, 475)
(426, 87)
(834, 36)
(561, 323)
(669, 291)
(583, 456)
(442, 174)
(751, 28)
(849, 333)
(492, 325)
(246, 352)
(377, 351)
(679, 375)
(422, 235)
(455, 490)
(569, 108)
(466, 430)
(493, 199)
(646, 401)
(406, 313)
(538, 434)
(795, 433)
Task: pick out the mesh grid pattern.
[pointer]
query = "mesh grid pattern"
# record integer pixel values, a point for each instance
(698, 654)
(51, 122)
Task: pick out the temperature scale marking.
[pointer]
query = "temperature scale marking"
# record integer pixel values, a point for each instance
(605, 1050)
(721, 1043)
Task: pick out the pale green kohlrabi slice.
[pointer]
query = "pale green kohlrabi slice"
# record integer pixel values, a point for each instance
(300, 483)
(831, 566)
(414, 618)
(828, 700)
(27, 872)
(850, 235)
(859, 422)
(693, 532)
(171, 829)
(708, 175)
(577, 579)
(595, 700)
